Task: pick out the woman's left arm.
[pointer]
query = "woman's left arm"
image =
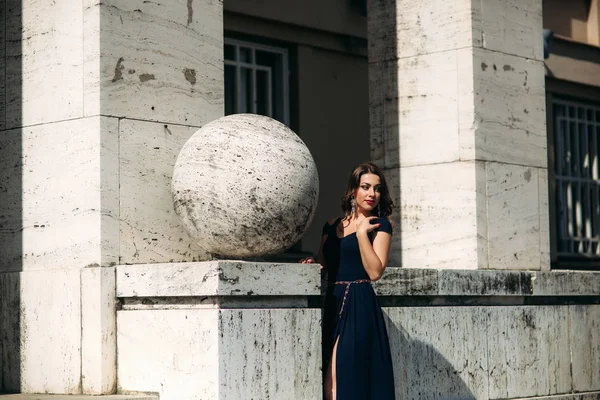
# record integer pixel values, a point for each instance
(374, 255)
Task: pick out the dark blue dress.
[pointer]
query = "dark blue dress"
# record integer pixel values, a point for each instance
(353, 316)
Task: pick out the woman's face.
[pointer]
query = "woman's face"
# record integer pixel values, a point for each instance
(368, 194)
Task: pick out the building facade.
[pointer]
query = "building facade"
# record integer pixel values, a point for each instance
(491, 151)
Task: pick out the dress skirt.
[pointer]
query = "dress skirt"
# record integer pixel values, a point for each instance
(353, 316)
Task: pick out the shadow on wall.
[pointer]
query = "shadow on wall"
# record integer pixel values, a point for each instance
(421, 372)
(11, 195)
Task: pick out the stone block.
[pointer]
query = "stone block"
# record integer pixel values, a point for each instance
(98, 330)
(584, 321)
(430, 356)
(270, 354)
(50, 331)
(183, 361)
(76, 397)
(407, 282)
(150, 231)
(10, 326)
(383, 113)
(44, 57)
(407, 28)
(438, 211)
(428, 109)
(577, 396)
(3, 69)
(509, 120)
(512, 27)
(528, 351)
(513, 217)
(567, 283)
(544, 210)
(71, 166)
(218, 278)
(485, 283)
(11, 198)
(155, 61)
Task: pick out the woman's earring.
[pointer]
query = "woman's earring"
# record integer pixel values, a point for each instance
(353, 205)
(379, 210)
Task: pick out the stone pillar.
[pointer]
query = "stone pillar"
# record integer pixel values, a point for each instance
(98, 98)
(458, 123)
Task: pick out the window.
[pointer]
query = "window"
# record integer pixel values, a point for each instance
(256, 80)
(576, 140)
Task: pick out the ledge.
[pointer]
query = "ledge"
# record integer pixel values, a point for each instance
(218, 278)
(225, 278)
(433, 282)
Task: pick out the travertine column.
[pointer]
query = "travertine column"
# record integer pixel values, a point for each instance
(97, 100)
(458, 123)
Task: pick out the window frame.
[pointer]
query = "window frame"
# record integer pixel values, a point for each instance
(568, 91)
(254, 46)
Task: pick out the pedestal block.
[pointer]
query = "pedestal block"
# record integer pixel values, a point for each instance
(219, 330)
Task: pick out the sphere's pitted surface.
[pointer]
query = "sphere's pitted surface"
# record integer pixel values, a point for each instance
(244, 186)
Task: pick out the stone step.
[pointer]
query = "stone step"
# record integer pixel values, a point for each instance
(77, 397)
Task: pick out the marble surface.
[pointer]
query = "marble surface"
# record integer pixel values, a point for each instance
(43, 64)
(511, 352)
(439, 220)
(245, 186)
(218, 278)
(431, 359)
(451, 82)
(513, 217)
(183, 363)
(270, 354)
(150, 231)
(77, 397)
(528, 351)
(508, 98)
(584, 322)
(49, 341)
(98, 331)
(154, 60)
(71, 166)
(511, 27)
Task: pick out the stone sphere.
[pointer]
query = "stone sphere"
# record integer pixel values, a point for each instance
(245, 186)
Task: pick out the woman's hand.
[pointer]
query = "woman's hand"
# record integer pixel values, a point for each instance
(308, 260)
(366, 225)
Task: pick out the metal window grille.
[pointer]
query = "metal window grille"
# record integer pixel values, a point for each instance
(577, 173)
(256, 80)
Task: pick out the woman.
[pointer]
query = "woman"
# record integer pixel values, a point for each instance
(354, 251)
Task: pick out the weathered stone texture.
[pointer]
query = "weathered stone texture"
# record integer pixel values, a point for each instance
(585, 346)
(513, 216)
(245, 186)
(98, 330)
(509, 105)
(157, 61)
(50, 331)
(150, 231)
(170, 352)
(217, 278)
(438, 216)
(270, 354)
(432, 360)
(44, 57)
(453, 82)
(528, 351)
(70, 165)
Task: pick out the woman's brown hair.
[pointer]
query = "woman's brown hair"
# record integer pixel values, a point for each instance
(385, 201)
